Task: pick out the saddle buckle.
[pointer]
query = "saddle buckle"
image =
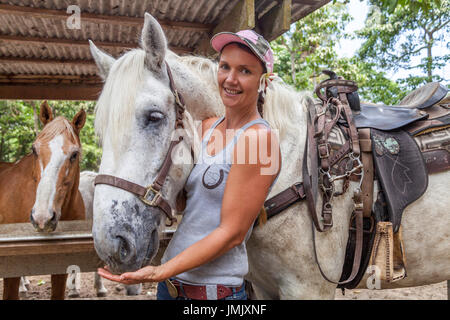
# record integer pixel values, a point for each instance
(324, 147)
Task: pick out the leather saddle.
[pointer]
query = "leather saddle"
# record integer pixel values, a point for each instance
(420, 104)
(408, 141)
(398, 160)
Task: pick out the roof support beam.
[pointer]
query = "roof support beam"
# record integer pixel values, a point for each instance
(79, 43)
(51, 92)
(242, 16)
(277, 21)
(94, 18)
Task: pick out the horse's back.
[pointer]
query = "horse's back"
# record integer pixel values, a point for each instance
(86, 188)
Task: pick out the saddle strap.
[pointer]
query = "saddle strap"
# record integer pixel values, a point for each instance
(367, 180)
(358, 216)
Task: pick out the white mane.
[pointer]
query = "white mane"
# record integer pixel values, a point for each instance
(115, 106)
(283, 107)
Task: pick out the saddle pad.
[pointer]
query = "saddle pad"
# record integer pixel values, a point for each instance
(401, 170)
(385, 117)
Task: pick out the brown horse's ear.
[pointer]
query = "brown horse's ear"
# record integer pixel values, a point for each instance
(79, 120)
(46, 114)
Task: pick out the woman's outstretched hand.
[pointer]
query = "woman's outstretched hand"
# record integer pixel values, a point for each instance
(146, 274)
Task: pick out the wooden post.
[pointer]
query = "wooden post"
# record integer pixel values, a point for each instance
(241, 17)
(276, 21)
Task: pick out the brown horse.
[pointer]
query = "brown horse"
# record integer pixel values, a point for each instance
(43, 186)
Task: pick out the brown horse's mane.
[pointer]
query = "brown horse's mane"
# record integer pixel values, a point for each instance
(58, 126)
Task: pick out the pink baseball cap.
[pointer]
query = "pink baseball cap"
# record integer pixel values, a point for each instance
(259, 46)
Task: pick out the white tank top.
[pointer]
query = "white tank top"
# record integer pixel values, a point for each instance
(205, 188)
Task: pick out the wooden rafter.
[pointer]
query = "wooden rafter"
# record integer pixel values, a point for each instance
(97, 18)
(242, 16)
(77, 43)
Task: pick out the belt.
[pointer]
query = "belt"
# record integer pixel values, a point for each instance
(205, 292)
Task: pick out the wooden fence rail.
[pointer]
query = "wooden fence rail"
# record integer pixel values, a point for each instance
(23, 251)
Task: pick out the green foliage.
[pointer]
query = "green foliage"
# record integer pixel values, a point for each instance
(414, 5)
(17, 130)
(309, 48)
(19, 126)
(412, 28)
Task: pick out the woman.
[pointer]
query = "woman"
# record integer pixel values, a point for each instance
(207, 258)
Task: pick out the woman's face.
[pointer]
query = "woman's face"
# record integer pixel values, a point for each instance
(238, 77)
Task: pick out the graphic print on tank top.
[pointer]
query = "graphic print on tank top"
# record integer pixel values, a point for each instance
(212, 178)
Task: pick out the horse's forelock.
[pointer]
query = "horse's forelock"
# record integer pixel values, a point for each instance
(115, 106)
(59, 125)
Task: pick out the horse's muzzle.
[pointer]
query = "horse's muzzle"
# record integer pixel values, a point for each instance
(47, 224)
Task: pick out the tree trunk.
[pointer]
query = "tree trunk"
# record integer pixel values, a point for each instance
(36, 119)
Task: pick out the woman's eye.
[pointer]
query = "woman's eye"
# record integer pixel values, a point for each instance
(246, 71)
(224, 67)
(155, 116)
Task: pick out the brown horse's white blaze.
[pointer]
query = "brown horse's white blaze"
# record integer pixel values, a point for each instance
(56, 151)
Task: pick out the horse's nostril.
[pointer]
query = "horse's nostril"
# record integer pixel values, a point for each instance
(31, 217)
(123, 249)
(53, 219)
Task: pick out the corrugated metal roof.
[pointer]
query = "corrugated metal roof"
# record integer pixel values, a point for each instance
(36, 40)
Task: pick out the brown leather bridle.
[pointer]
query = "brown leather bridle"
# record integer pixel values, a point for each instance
(151, 195)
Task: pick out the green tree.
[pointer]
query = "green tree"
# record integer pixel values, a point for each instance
(19, 126)
(394, 35)
(309, 47)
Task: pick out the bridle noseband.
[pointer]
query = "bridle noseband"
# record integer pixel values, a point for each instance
(151, 195)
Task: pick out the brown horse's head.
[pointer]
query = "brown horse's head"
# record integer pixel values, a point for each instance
(56, 152)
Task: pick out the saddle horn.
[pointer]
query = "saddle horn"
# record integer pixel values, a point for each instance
(333, 90)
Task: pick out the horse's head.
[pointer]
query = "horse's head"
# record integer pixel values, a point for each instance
(135, 119)
(57, 153)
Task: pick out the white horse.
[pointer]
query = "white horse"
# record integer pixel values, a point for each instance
(135, 120)
(86, 188)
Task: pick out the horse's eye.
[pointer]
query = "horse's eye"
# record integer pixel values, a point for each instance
(74, 156)
(155, 116)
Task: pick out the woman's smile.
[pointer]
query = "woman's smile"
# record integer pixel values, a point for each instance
(232, 92)
(238, 77)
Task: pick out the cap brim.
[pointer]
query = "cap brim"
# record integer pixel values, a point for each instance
(220, 40)
(223, 38)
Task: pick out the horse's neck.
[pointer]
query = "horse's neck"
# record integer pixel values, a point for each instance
(73, 206)
(201, 101)
(18, 183)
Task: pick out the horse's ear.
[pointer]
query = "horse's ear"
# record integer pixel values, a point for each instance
(103, 60)
(154, 43)
(79, 120)
(46, 114)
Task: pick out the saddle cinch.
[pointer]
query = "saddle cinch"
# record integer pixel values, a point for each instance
(400, 146)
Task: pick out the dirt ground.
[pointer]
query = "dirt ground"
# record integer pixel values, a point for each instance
(40, 288)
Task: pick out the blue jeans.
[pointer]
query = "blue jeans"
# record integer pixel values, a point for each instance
(163, 294)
